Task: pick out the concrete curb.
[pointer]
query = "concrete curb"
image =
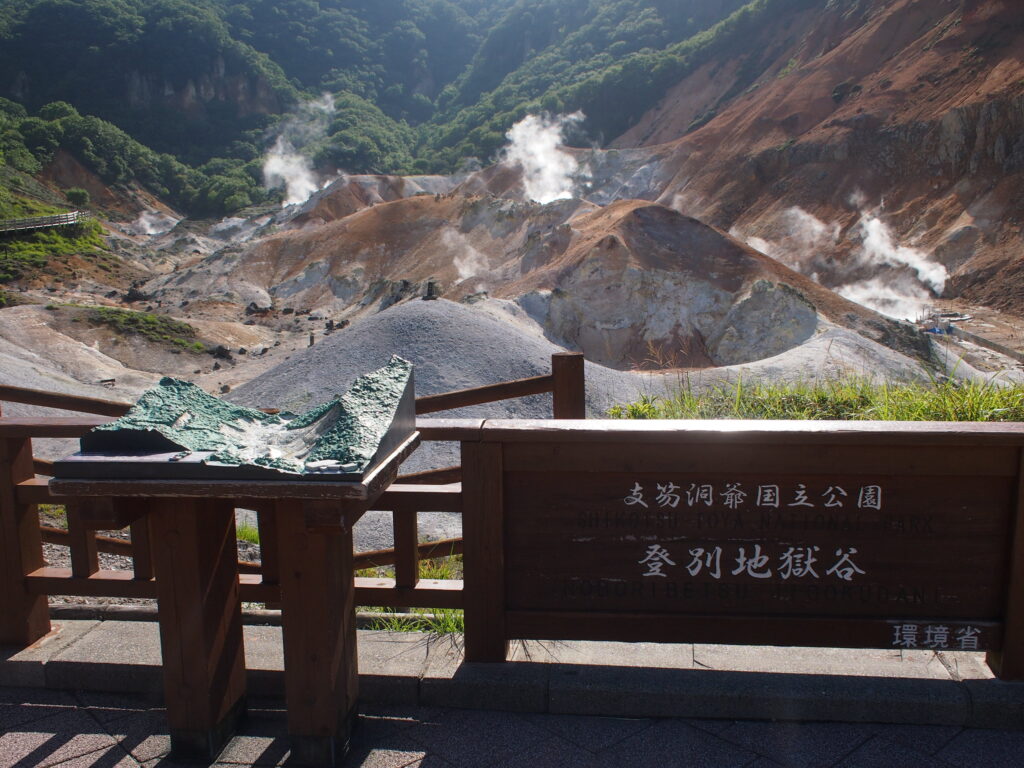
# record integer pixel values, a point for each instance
(583, 678)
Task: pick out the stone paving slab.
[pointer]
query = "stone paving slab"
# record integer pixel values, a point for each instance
(513, 687)
(22, 705)
(648, 692)
(264, 660)
(800, 743)
(995, 704)
(709, 682)
(660, 655)
(52, 740)
(858, 662)
(391, 665)
(118, 656)
(89, 730)
(25, 667)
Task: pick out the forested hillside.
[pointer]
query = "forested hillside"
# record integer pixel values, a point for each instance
(185, 96)
(611, 60)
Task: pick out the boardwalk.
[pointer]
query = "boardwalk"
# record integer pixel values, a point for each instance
(43, 222)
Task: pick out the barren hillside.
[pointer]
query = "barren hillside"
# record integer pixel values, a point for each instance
(911, 110)
(628, 283)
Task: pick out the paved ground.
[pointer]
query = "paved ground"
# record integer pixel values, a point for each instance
(95, 730)
(89, 697)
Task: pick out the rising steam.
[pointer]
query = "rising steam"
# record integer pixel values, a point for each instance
(902, 280)
(468, 261)
(903, 295)
(899, 298)
(153, 223)
(284, 165)
(534, 144)
(880, 247)
(804, 239)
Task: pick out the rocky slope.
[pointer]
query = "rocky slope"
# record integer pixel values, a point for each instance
(454, 346)
(629, 284)
(910, 110)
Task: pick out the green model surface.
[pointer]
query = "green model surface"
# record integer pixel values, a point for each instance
(343, 434)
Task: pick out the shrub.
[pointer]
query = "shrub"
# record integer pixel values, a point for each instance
(77, 196)
(156, 328)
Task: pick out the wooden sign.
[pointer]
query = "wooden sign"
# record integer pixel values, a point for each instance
(773, 536)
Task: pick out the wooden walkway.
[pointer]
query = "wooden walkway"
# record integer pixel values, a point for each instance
(44, 222)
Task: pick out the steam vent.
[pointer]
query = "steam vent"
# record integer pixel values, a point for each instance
(178, 431)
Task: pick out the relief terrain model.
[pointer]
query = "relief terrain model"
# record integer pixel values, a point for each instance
(176, 430)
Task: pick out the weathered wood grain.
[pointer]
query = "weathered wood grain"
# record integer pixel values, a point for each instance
(490, 393)
(1008, 663)
(318, 620)
(484, 558)
(63, 402)
(568, 389)
(824, 632)
(195, 560)
(23, 615)
(56, 426)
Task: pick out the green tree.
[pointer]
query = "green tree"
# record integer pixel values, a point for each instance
(41, 137)
(77, 196)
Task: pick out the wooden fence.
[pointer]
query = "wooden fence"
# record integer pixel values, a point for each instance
(24, 482)
(43, 222)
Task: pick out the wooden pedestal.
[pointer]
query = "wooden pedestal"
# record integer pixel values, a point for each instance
(196, 565)
(318, 617)
(23, 617)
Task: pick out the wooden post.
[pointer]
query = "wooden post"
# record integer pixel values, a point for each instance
(196, 562)
(81, 542)
(407, 551)
(24, 618)
(319, 632)
(142, 549)
(1008, 663)
(482, 532)
(569, 394)
(270, 570)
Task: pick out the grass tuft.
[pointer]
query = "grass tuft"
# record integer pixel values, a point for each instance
(436, 621)
(852, 399)
(249, 533)
(53, 513)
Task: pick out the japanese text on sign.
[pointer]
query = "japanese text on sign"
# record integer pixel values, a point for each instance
(935, 637)
(792, 563)
(734, 496)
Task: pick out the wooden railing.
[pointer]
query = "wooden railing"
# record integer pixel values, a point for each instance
(43, 222)
(63, 402)
(24, 483)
